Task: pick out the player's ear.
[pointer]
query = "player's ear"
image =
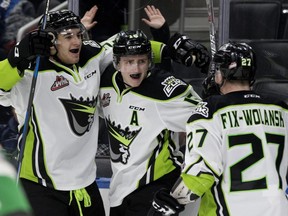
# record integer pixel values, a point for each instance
(53, 51)
(219, 77)
(118, 67)
(116, 62)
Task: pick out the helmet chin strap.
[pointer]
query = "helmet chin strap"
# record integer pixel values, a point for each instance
(120, 78)
(56, 58)
(127, 85)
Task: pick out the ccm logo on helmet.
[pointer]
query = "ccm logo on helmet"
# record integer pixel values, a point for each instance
(71, 18)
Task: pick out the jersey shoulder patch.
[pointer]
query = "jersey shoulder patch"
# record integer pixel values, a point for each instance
(162, 85)
(89, 50)
(206, 108)
(91, 43)
(202, 109)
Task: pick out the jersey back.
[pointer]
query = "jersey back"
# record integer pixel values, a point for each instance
(240, 139)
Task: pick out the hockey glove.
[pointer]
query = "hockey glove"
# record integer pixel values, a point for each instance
(181, 49)
(209, 86)
(165, 204)
(37, 42)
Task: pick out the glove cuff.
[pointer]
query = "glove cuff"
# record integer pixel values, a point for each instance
(181, 49)
(18, 62)
(11, 57)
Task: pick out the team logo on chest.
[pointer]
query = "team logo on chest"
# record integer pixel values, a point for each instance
(59, 83)
(80, 113)
(120, 141)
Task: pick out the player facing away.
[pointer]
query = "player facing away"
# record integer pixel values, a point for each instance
(143, 107)
(58, 171)
(236, 150)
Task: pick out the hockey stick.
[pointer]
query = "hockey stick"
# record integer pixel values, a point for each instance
(30, 101)
(209, 82)
(212, 30)
(212, 33)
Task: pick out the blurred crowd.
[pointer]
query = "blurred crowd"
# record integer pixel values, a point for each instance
(13, 15)
(111, 17)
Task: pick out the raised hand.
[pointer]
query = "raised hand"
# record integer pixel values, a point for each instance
(37, 42)
(87, 19)
(186, 51)
(155, 18)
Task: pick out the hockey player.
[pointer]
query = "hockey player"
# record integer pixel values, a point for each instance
(143, 108)
(58, 169)
(236, 149)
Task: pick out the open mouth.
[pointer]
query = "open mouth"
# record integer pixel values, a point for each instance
(135, 76)
(74, 50)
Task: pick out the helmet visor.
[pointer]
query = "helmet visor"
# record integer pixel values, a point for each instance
(69, 31)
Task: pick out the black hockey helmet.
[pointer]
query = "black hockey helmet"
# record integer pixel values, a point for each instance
(131, 43)
(58, 21)
(236, 61)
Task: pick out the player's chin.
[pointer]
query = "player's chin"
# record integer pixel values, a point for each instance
(134, 82)
(137, 81)
(74, 59)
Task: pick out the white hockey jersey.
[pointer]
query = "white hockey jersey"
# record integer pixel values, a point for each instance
(62, 136)
(140, 121)
(241, 139)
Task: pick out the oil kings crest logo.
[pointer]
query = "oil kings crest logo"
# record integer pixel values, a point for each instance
(105, 100)
(80, 113)
(120, 141)
(170, 84)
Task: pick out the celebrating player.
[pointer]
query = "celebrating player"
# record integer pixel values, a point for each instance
(143, 107)
(236, 149)
(58, 170)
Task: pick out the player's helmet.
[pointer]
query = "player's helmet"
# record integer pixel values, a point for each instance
(131, 43)
(236, 61)
(58, 21)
